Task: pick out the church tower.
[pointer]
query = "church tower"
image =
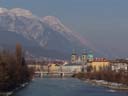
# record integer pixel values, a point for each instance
(74, 57)
(84, 57)
(90, 56)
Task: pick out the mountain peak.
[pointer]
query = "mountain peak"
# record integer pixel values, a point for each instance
(55, 24)
(21, 12)
(51, 19)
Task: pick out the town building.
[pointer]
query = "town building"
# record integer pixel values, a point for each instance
(52, 68)
(99, 64)
(72, 68)
(119, 65)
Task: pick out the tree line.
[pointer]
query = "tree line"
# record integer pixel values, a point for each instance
(13, 69)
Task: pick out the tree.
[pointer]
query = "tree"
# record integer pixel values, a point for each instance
(13, 69)
(19, 53)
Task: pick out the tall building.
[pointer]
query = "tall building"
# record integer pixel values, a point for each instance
(90, 56)
(74, 57)
(84, 57)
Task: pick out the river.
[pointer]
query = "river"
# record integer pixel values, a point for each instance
(65, 87)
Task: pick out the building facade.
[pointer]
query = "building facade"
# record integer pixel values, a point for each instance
(99, 64)
(119, 65)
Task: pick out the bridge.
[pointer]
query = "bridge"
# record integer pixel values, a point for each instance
(42, 74)
(52, 71)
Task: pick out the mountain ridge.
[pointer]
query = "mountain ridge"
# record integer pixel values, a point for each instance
(48, 32)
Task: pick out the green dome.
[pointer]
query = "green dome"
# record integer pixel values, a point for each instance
(90, 55)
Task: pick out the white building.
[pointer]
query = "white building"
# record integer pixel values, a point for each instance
(72, 68)
(118, 65)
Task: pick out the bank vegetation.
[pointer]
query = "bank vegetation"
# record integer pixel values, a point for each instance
(13, 69)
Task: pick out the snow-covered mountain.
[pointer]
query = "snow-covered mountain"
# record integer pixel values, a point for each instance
(48, 32)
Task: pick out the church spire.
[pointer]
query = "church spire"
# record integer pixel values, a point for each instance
(84, 56)
(74, 56)
(90, 56)
(73, 52)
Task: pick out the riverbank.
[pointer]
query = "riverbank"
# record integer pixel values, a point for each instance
(110, 79)
(111, 85)
(11, 92)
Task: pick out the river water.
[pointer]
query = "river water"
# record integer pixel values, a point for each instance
(65, 87)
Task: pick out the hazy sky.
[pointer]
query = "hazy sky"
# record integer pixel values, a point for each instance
(103, 22)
